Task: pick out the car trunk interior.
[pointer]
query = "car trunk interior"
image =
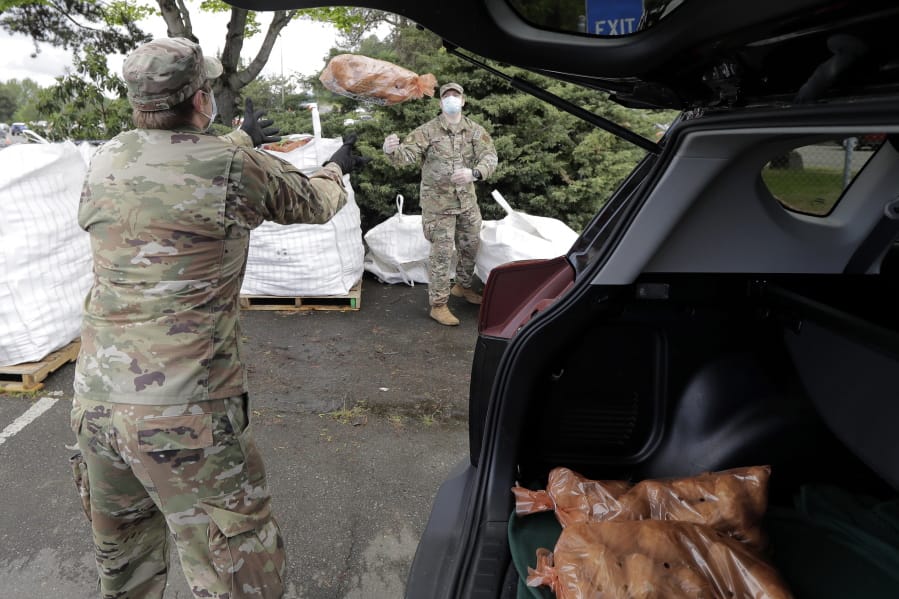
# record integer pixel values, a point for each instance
(677, 375)
(709, 326)
(710, 377)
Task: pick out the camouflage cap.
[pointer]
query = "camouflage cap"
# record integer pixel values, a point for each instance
(448, 86)
(164, 72)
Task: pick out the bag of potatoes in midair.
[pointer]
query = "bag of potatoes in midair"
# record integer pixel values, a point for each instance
(375, 81)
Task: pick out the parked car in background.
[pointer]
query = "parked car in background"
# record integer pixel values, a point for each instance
(17, 135)
(716, 312)
(871, 141)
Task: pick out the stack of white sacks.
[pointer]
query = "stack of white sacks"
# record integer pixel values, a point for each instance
(398, 251)
(45, 263)
(307, 260)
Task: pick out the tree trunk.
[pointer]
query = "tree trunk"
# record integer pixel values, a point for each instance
(228, 97)
(177, 19)
(227, 87)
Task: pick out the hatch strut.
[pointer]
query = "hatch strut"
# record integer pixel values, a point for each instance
(562, 104)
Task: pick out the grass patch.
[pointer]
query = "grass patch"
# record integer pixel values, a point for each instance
(812, 190)
(33, 394)
(356, 415)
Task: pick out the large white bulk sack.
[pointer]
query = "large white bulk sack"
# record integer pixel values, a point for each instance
(397, 249)
(87, 151)
(310, 156)
(45, 258)
(307, 260)
(520, 236)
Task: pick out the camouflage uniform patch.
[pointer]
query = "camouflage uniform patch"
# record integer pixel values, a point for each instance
(450, 212)
(169, 215)
(164, 72)
(159, 381)
(194, 467)
(442, 230)
(441, 148)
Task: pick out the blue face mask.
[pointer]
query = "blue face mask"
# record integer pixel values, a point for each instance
(451, 105)
(215, 110)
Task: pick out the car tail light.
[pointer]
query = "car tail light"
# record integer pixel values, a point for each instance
(516, 291)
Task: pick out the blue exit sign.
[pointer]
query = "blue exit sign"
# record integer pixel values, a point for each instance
(613, 17)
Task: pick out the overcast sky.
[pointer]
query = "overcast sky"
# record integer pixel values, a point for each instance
(301, 48)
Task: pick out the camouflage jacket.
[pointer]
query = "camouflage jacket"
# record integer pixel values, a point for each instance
(441, 148)
(169, 215)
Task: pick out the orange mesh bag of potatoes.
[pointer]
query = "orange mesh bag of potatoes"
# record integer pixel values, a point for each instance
(651, 558)
(373, 80)
(732, 501)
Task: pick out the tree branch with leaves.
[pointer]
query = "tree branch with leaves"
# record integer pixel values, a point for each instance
(110, 27)
(93, 28)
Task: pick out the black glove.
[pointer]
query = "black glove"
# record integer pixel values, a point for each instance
(260, 131)
(345, 158)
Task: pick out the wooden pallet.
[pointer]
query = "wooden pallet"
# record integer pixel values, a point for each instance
(28, 376)
(351, 301)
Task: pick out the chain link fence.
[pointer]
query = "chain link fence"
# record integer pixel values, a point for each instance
(811, 179)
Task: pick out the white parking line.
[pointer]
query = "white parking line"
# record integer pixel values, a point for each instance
(41, 406)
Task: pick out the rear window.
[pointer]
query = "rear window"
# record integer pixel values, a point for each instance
(811, 179)
(604, 18)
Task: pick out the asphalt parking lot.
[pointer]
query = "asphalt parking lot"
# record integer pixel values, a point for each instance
(359, 415)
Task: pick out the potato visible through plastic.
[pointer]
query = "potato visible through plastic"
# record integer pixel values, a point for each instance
(732, 502)
(373, 80)
(652, 558)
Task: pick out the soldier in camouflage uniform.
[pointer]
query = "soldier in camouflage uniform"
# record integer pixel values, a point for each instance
(161, 408)
(453, 152)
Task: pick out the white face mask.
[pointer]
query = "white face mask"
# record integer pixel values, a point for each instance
(451, 105)
(215, 110)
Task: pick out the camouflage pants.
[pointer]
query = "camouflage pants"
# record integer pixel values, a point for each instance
(191, 468)
(444, 231)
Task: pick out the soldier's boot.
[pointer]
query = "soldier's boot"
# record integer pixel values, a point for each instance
(470, 295)
(443, 315)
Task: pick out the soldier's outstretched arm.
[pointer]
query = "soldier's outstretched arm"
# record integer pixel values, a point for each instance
(277, 191)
